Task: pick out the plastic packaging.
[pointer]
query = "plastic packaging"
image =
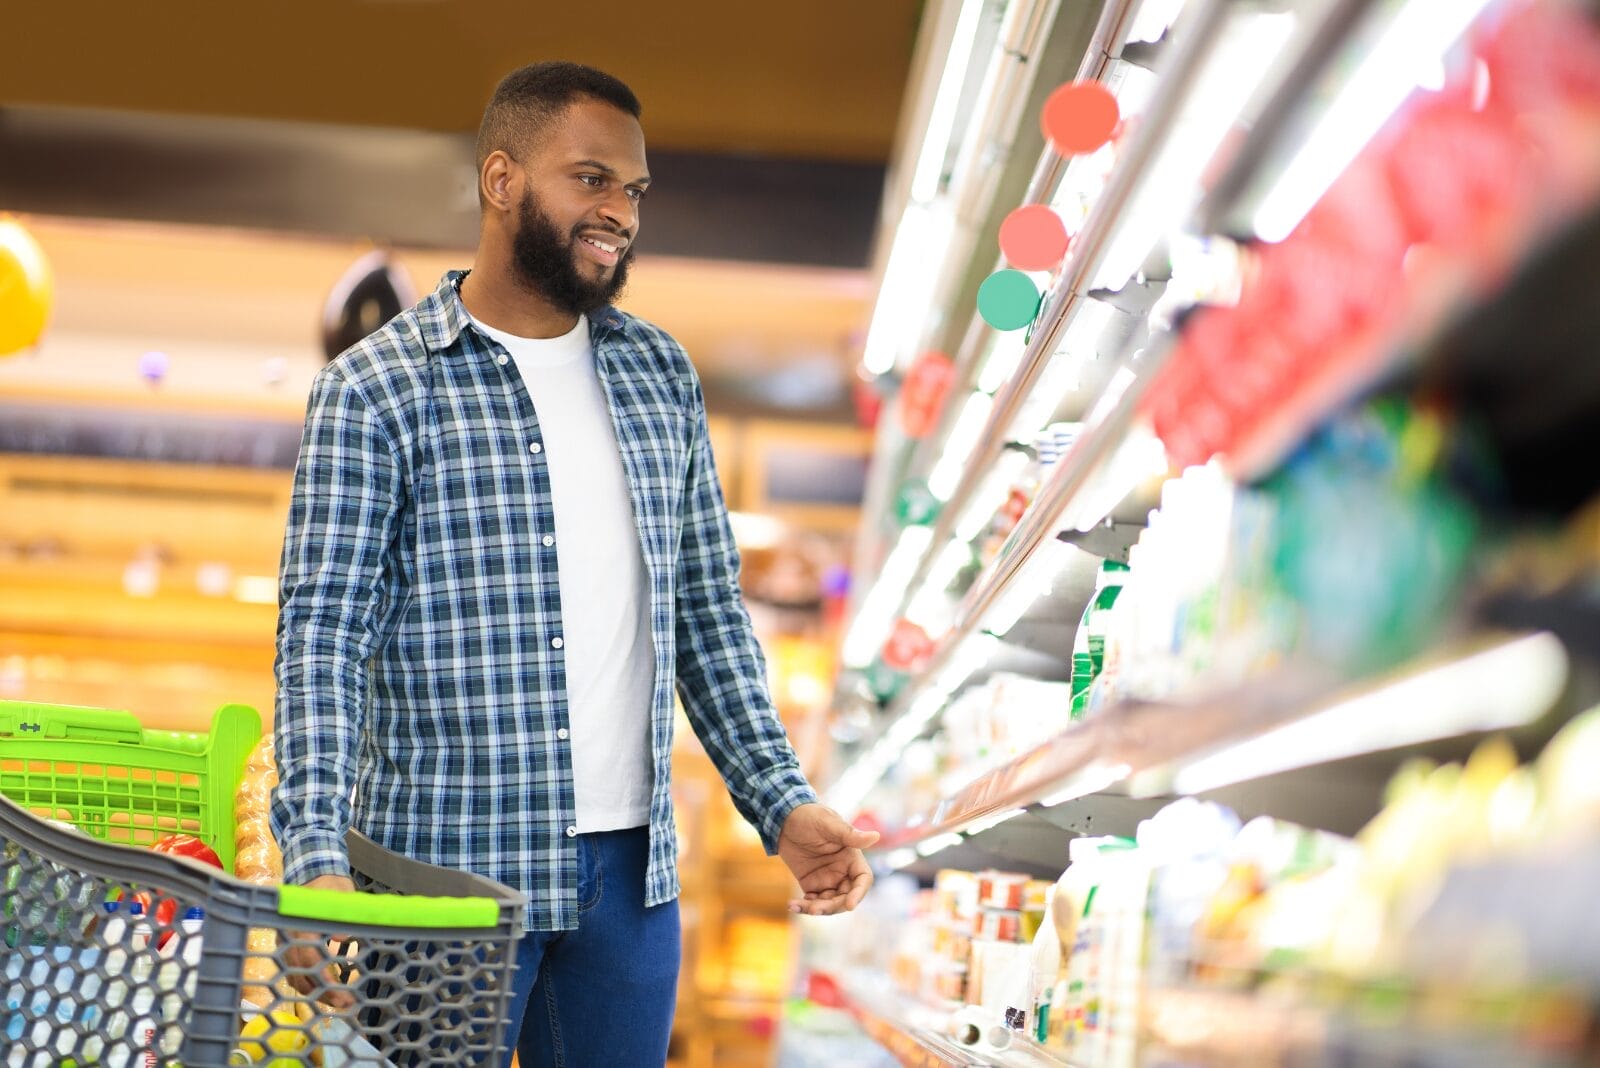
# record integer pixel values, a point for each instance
(1044, 963)
(145, 1026)
(979, 1028)
(1088, 643)
(179, 971)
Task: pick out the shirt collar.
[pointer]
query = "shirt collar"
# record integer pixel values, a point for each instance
(443, 316)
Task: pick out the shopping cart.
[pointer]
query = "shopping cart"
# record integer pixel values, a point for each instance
(127, 958)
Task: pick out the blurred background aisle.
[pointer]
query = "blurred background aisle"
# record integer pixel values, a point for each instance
(216, 193)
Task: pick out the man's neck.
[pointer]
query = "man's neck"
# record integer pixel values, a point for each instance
(495, 299)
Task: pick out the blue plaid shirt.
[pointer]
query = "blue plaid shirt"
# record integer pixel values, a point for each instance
(421, 690)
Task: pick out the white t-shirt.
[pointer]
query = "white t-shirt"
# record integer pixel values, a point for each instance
(605, 602)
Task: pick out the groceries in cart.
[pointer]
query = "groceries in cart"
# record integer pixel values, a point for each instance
(173, 953)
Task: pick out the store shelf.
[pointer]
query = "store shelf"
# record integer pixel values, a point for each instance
(1070, 293)
(1216, 1027)
(1294, 718)
(1065, 298)
(915, 1032)
(1117, 416)
(738, 1007)
(1217, 634)
(1311, 70)
(1100, 441)
(1142, 170)
(1106, 432)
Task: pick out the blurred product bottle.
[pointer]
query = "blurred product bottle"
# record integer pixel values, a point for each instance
(1088, 643)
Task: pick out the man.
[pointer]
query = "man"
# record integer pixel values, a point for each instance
(506, 545)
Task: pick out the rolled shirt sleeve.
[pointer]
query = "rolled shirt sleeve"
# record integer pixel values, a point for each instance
(722, 673)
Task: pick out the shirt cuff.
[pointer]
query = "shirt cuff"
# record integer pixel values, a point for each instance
(312, 853)
(773, 819)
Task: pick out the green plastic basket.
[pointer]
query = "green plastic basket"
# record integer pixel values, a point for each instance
(116, 780)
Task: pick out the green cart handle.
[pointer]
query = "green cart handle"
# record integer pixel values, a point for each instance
(386, 910)
(31, 719)
(251, 905)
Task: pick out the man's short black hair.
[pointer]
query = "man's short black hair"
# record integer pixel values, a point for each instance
(529, 98)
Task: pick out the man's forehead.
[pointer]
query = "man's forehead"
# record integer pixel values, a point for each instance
(602, 133)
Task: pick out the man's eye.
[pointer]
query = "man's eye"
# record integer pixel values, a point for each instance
(591, 179)
(636, 195)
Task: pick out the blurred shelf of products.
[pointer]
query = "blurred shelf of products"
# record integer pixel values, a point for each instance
(1224, 651)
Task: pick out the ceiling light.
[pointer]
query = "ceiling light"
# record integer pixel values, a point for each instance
(929, 174)
(256, 589)
(919, 247)
(876, 614)
(964, 436)
(937, 844)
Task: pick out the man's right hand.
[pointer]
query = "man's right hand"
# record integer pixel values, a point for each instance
(310, 957)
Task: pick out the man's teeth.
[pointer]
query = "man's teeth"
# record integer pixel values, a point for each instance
(601, 245)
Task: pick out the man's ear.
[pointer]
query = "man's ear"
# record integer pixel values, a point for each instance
(497, 180)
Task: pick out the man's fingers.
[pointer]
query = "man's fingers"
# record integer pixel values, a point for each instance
(862, 883)
(846, 836)
(334, 995)
(317, 975)
(317, 972)
(833, 901)
(860, 839)
(816, 908)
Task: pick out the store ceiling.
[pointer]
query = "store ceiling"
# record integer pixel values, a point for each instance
(306, 133)
(820, 80)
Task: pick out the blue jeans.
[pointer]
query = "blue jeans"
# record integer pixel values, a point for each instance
(601, 996)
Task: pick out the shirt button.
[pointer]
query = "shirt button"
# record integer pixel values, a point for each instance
(535, 448)
(548, 540)
(503, 359)
(557, 643)
(562, 734)
(572, 832)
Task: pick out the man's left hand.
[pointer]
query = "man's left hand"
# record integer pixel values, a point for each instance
(824, 852)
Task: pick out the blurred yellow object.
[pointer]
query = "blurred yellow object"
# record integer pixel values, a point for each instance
(27, 288)
(1435, 817)
(1567, 778)
(283, 1032)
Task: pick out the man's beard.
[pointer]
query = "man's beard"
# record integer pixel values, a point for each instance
(546, 263)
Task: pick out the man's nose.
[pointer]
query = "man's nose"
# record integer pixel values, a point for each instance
(621, 212)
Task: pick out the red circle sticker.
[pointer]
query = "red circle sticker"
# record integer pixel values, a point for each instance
(1079, 117)
(1033, 238)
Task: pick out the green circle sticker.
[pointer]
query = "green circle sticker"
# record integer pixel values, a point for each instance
(1008, 300)
(915, 505)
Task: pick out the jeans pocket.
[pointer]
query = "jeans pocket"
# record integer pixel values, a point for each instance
(591, 872)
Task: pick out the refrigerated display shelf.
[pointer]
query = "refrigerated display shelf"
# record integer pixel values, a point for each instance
(1149, 749)
(913, 1031)
(1213, 1028)
(1395, 351)
(1183, 63)
(1089, 247)
(1390, 349)
(1118, 416)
